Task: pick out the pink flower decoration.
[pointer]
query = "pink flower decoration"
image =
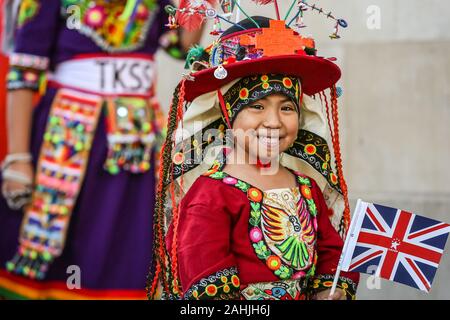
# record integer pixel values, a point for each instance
(229, 180)
(95, 16)
(255, 235)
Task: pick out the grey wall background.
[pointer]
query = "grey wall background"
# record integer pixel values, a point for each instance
(395, 111)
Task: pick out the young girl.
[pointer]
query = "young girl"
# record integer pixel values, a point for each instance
(255, 225)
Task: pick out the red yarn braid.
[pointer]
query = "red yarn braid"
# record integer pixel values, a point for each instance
(338, 156)
(175, 206)
(160, 252)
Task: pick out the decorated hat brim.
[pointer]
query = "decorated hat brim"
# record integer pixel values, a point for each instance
(315, 73)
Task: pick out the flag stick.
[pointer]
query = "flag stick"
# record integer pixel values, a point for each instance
(353, 225)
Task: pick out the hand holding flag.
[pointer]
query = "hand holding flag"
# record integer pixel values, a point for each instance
(404, 247)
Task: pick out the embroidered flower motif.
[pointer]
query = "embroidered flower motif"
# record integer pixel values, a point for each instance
(255, 234)
(287, 83)
(273, 262)
(230, 180)
(95, 16)
(178, 158)
(333, 178)
(243, 94)
(254, 194)
(306, 192)
(235, 281)
(211, 290)
(310, 149)
(265, 82)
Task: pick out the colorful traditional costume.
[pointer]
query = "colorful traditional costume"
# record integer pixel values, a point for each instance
(94, 133)
(218, 237)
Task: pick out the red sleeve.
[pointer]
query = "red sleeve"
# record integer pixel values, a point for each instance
(329, 248)
(207, 267)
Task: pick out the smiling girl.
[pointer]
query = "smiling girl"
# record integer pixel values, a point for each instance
(255, 225)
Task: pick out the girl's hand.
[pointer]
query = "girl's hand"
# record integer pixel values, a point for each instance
(325, 295)
(16, 191)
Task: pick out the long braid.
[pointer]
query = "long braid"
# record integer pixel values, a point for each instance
(338, 156)
(175, 214)
(160, 255)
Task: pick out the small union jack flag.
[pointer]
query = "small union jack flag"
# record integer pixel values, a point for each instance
(398, 245)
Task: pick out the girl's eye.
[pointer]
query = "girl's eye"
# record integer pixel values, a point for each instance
(256, 106)
(287, 108)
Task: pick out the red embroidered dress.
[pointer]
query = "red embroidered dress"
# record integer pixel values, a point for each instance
(238, 242)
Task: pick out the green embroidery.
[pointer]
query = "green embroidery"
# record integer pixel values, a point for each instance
(304, 181)
(312, 207)
(295, 251)
(261, 250)
(255, 214)
(242, 186)
(283, 272)
(218, 175)
(28, 10)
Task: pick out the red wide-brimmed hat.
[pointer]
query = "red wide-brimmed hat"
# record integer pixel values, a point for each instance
(274, 48)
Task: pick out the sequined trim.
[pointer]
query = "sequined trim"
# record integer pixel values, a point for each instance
(28, 61)
(278, 290)
(24, 79)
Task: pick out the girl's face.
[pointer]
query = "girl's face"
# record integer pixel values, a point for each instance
(267, 127)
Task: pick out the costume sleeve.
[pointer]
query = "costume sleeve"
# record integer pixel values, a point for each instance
(206, 264)
(329, 248)
(38, 23)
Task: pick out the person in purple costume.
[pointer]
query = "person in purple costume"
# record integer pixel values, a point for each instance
(78, 182)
